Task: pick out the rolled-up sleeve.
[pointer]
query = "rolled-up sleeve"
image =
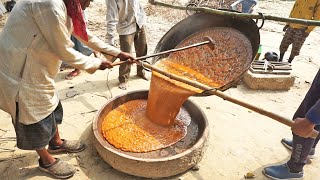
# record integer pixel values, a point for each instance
(314, 113)
(51, 19)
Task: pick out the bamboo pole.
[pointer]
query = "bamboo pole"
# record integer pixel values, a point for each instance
(214, 91)
(240, 15)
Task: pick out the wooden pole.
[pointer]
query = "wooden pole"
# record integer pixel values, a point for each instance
(214, 91)
(240, 15)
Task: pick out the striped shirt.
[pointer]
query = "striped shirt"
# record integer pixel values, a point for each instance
(34, 39)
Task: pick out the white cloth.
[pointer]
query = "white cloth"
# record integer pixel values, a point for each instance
(34, 39)
(123, 16)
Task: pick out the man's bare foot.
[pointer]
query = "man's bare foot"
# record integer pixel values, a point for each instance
(143, 76)
(73, 74)
(123, 86)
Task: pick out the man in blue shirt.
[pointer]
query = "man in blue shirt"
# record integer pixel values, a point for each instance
(307, 118)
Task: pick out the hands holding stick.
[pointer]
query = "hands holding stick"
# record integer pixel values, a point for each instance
(123, 56)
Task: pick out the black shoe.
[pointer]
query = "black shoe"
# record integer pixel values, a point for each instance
(281, 172)
(288, 144)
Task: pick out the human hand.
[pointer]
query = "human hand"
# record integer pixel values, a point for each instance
(105, 64)
(303, 127)
(123, 56)
(285, 28)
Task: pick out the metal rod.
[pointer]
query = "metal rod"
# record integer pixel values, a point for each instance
(210, 42)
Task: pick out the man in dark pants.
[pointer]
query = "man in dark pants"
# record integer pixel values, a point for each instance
(307, 118)
(139, 40)
(127, 18)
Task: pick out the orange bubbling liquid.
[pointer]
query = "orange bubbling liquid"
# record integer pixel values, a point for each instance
(128, 128)
(143, 126)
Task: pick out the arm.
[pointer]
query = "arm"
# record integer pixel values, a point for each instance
(112, 20)
(98, 45)
(51, 18)
(110, 52)
(314, 113)
(304, 126)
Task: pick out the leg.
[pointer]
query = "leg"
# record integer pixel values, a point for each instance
(298, 40)
(310, 100)
(56, 140)
(140, 44)
(291, 58)
(300, 151)
(124, 69)
(45, 157)
(37, 136)
(56, 144)
(286, 41)
(281, 57)
(54, 166)
(301, 147)
(73, 74)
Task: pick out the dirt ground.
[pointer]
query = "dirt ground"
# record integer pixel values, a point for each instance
(240, 140)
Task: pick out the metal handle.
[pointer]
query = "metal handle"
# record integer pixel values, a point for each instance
(209, 41)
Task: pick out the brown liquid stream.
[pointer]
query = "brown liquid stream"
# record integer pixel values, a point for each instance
(143, 126)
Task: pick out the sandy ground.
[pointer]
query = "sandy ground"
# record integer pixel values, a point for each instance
(240, 140)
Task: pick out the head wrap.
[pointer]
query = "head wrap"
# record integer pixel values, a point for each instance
(75, 12)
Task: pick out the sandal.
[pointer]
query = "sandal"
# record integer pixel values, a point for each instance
(59, 169)
(67, 146)
(73, 74)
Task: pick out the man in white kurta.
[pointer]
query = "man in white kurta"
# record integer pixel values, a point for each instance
(34, 40)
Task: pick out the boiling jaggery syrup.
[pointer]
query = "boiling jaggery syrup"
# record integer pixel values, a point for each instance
(147, 125)
(128, 128)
